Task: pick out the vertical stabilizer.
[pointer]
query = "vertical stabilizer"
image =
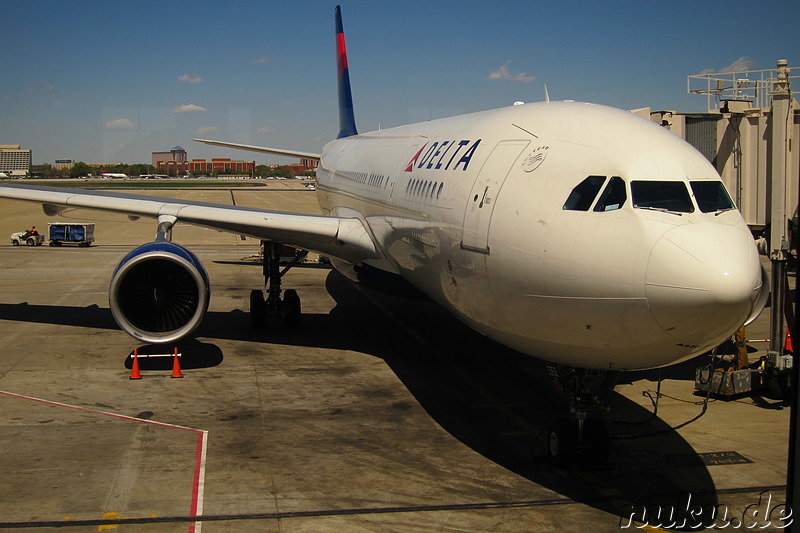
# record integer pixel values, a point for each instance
(347, 118)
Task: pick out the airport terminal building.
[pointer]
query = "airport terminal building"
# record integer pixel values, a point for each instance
(176, 162)
(224, 165)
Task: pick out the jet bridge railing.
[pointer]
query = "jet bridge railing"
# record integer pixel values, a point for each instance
(752, 86)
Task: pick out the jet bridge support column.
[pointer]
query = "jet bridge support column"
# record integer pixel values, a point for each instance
(781, 119)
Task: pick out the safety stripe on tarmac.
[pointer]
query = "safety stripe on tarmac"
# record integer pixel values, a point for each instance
(198, 483)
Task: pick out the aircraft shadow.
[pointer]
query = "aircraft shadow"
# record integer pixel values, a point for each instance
(497, 401)
(501, 403)
(193, 354)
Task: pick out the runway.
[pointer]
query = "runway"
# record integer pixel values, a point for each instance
(377, 414)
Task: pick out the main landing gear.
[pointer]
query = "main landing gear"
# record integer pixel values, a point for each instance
(583, 437)
(275, 307)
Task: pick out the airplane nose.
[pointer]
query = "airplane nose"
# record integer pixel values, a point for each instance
(702, 282)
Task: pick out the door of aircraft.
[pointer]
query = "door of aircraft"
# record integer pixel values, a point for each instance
(481, 201)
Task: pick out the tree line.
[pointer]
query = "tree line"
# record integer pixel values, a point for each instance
(81, 169)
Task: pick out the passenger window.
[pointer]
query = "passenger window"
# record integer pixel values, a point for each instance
(662, 195)
(582, 196)
(711, 196)
(613, 196)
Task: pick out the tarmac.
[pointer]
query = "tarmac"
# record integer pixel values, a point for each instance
(377, 414)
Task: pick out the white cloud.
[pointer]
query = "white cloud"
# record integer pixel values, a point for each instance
(263, 59)
(265, 129)
(187, 108)
(502, 73)
(206, 129)
(190, 78)
(120, 124)
(743, 63)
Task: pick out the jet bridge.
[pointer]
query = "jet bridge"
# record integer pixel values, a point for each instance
(749, 140)
(736, 134)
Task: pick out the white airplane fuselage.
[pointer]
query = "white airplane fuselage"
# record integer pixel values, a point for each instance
(471, 210)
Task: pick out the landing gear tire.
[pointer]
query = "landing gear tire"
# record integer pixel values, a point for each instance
(278, 304)
(291, 308)
(258, 309)
(595, 441)
(561, 443)
(567, 446)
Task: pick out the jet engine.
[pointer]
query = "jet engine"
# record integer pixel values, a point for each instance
(159, 293)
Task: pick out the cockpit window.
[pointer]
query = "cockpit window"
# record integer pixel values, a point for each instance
(711, 196)
(613, 196)
(582, 196)
(662, 195)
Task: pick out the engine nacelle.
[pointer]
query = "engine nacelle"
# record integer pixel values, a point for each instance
(159, 293)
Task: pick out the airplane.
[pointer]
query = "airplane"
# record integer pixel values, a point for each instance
(576, 233)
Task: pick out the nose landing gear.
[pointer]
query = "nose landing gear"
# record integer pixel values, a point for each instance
(583, 437)
(274, 307)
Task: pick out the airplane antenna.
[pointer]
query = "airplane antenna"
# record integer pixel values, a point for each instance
(546, 94)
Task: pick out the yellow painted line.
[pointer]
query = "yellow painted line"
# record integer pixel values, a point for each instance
(109, 515)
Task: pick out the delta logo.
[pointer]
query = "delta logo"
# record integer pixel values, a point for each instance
(444, 155)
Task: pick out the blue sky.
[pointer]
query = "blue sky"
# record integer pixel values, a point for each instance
(114, 81)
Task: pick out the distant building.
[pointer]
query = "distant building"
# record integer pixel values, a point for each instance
(14, 160)
(221, 166)
(311, 164)
(299, 170)
(63, 164)
(171, 162)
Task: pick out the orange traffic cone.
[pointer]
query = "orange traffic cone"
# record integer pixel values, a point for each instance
(135, 374)
(176, 365)
(788, 345)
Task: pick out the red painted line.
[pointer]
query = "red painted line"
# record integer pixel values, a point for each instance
(198, 486)
(198, 483)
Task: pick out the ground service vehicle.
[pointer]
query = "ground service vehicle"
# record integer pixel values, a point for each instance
(25, 237)
(70, 233)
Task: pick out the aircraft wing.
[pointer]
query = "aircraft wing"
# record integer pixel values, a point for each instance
(262, 149)
(341, 237)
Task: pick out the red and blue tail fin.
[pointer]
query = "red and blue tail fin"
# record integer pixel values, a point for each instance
(347, 118)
